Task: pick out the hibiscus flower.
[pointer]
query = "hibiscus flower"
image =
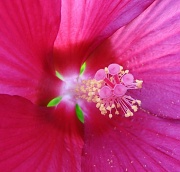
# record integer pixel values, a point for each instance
(50, 49)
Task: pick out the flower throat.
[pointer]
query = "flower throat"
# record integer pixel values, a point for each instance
(108, 91)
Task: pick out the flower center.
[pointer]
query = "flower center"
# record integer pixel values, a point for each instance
(108, 91)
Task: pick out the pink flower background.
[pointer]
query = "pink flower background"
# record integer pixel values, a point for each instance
(39, 37)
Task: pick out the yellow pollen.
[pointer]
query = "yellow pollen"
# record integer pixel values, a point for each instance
(113, 106)
(98, 105)
(139, 83)
(110, 115)
(128, 113)
(106, 70)
(126, 71)
(135, 108)
(117, 113)
(108, 108)
(138, 102)
(118, 105)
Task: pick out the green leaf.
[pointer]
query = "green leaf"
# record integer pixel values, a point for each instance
(54, 102)
(83, 67)
(79, 113)
(59, 75)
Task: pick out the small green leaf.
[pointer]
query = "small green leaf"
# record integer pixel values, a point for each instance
(83, 67)
(59, 75)
(79, 113)
(54, 102)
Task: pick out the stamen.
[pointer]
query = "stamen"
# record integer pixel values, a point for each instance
(108, 90)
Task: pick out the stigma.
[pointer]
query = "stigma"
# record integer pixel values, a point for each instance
(109, 91)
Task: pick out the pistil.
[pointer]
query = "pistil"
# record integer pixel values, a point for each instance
(108, 91)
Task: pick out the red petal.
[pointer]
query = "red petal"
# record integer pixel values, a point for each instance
(149, 48)
(32, 139)
(85, 24)
(27, 33)
(140, 143)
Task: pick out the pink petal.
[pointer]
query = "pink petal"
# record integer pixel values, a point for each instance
(140, 143)
(85, 24)
(32, 139)
(27, 33)
(149, 48)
